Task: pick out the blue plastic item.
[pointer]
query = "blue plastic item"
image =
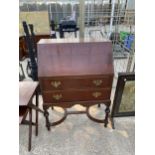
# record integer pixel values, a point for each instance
(128, 41)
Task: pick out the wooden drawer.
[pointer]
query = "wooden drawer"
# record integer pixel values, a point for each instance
(76, 83)
(77, 95)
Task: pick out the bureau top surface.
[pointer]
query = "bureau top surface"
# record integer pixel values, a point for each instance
(74, 57)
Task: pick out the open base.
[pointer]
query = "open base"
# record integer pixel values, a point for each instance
(105, 120)
(93, 118)
(61, 120)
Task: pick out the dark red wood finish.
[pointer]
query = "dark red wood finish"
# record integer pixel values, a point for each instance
(76, 82)
(23, 53)
(76, 95)
(75, 71)
(74, 58)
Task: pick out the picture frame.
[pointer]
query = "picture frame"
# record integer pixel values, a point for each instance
(124, 98)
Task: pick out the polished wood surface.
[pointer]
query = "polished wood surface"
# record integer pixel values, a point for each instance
(76, 95)
(61, 83)
(26, 91)
(71, 40)
(74, 58)
(70, 104)
(75, 71)
(23, 52)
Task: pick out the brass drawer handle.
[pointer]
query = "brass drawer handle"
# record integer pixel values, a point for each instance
(56, 84)
(97, 82)
(96, 94)
(57, 96)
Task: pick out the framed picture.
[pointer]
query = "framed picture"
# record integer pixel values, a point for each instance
(124, 99)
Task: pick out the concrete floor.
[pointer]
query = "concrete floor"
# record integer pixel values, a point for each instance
(78, 135)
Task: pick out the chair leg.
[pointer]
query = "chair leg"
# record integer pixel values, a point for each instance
(30, 129)
(99, 105)
(36, 114)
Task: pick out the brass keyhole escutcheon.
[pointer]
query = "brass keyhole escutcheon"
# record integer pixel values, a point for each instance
(97, 82)
(96, 94)
(57, 96)
(56, 84)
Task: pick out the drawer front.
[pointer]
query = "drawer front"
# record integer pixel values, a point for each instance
(78, 95)
(60, 84)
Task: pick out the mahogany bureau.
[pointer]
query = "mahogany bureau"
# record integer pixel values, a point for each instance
(75, 71)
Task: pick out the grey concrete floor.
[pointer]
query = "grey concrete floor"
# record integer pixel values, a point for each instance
(78, 135)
